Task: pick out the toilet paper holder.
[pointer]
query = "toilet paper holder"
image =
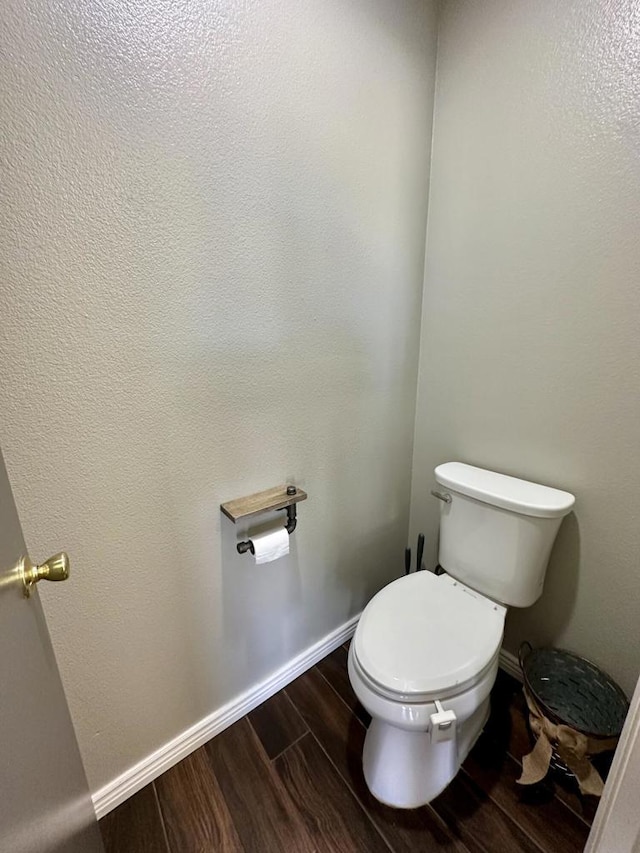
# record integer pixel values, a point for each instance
(290, 526)
(280, 498)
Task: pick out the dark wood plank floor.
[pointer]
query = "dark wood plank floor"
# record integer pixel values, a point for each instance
(288, 777)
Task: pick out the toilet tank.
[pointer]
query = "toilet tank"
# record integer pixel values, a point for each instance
(496, 532)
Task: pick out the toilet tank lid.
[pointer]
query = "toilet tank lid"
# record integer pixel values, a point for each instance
(503, 491)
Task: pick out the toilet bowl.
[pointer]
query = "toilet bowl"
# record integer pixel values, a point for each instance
(424, 655)
(423, 640)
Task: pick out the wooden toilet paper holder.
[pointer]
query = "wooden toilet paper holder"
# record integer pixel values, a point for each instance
(282, 497)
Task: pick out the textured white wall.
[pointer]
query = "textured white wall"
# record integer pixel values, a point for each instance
(213, 218)
(530, 358)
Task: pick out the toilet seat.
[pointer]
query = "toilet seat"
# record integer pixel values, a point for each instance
(425, 636)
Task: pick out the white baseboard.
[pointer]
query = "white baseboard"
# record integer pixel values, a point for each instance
(132, 780)
(509, 662)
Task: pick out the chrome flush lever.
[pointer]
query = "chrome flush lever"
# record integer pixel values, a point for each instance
(442, 496)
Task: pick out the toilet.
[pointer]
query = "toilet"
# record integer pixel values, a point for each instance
(424, 655)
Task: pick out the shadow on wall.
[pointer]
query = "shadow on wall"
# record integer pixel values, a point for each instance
(257, 642)
(544, 623)
(328, 404)
(378, 560)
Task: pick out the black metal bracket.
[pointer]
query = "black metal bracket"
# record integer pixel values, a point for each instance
(290, 526)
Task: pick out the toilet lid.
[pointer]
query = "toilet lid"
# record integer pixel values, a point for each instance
(425, 634)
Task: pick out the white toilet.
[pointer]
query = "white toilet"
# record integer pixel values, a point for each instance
(424, 656)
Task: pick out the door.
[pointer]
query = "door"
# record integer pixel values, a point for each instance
(616, 828)
(44, 797)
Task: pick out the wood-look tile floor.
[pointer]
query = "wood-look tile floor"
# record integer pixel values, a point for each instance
(288, 777)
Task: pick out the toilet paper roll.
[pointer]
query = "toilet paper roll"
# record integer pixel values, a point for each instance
(271, 546)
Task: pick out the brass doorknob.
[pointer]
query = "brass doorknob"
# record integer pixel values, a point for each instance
(56, 568)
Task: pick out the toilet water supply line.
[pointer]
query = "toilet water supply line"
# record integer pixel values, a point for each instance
(407, 555)
(442, 496)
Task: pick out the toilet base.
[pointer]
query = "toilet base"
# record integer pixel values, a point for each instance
(405, 770)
